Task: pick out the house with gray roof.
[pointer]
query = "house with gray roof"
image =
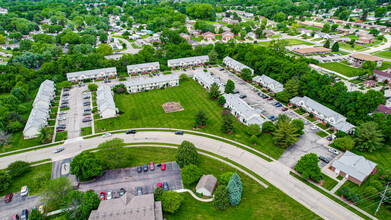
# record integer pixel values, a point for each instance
(242, 111)
(269, 83)
(235, 65)
(188, 61)
(96, 74)
(354, 167)
(149, 83)
(205, 79)
(129, 207)
(324, 114)
(206, 185)
(114, 56)
(143, 68)
(105, 102)
(45, 94)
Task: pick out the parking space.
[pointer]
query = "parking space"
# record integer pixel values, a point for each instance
(18, 203)
(330, 58)
(130, 180)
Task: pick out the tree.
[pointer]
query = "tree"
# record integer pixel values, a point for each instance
(221, 100)
(246, 74)
(285, 133)
(103, 37)
(253, 139)
(190, 174)
(214, 91)
(368, 137)
(253, 129)
(327, 44)
(5, 180)
(92, 87)
(229, 87)
(104, 49)
(380, 12)
(334, 27)
(78, 205)
(213, 56)
(3, 39)
(371, 192)
(183, 77)
(387, 175)
(55, 191)
(85, 166)
(227, 125)
(65, 84)
(326, 27)
(112, 154)
(35, 215)
(377, 184)
(299, 124)
(368, 67)
(171, 201)
(344, 143)
(157, 194)
(201, 118)
(44, 134)
(280, 17)
(5, 138)
(308, 167)
(221, 198)
(235, 189)
(268, 126)
(17, 168)
(186, 154)
(335, 47)
(364, 15)
(374, 32)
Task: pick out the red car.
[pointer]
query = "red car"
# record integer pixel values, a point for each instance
(15, 217)
(88, 117)
(270, 98)
(151, 166)
(60, 130)
(102, 195)
(284, 109)
(8, 197)
(163, 167)
(160, 185)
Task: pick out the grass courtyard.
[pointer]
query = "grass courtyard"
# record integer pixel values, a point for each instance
(257, 202)
(290, 42)
(144, 109)
(384, 54)
(340, 68)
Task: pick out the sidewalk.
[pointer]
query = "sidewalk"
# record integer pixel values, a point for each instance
(335, 188)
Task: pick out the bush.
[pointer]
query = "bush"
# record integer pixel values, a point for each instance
(5, 180)
(311, 115)
(190, 174)
(387, 175)
(221, 100)
(205, 70)
(224, 178)
(157, 194)
(92, 87)
(221, 198)
(17, 168)
(186, 154)
(371, 192)
(253, 139)
(308, 167)
(268, 126)
(377, 184)
(235, 189)
(183, 77)
(171, 201)
(350, 195)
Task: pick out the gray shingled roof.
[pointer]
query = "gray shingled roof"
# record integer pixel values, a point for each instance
(104, 98)
(149, 80)
(354, 165)
(188, 59)
(205, 77)
(236, 63)
(244, 109)
(37, 118)
(92, 72)
(278, 87)
(208, 182)
(45, 91)
(143, 66)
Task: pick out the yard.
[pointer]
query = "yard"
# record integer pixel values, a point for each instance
(340, 68)
(257, 202)
(385, 65)
(356, 47)
(290, 42)
(86, 131)
(384, 54)
(144, 110)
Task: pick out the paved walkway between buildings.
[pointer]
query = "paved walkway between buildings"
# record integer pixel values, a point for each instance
(192, 194)
(336, 187)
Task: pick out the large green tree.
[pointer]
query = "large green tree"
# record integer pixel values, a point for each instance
(5, 180)
(171, 201)
(229, 87)
(308, 167)
(78, 205)
(85, 166)
(186, 154)
(190, 174)
(285, 132)
(368, 137)
(214, 91)
(55, 191)
(17, 168)
(345, 143)
(246, 74)
(112, 154)
(335, 47)
(227, 125)
(253, 129)
(221, 198)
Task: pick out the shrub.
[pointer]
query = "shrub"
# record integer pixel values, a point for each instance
(387, 175)
(268, 126)
(235, 189)
(190, 174)
(350, 195)
(311, 115)
(224, 178)
(253, 139)
(5, 180)
(221, 198)
(377, 184)
(371, 192)
(92, 87)
(157, 194)
(17, 168)
(171, 201)
(183, 77)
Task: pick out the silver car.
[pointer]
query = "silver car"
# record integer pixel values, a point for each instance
(58, 150)
(334, 151)
(109, 195)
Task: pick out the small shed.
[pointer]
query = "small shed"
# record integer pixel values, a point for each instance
(206, 185)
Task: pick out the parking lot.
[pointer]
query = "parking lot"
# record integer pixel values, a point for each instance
(130, 180)
(61, 168)
(18, 203)
(330, 58)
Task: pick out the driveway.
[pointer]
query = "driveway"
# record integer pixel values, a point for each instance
(130, 180)
(18, 203)
(61, 168)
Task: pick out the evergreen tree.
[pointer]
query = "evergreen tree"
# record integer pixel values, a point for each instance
(201, 118)
(285, 133)
(221, 100)
(235, 189)
(327, 44)
(214, 91)
(335, 47)
(227, 124)
(221, 198)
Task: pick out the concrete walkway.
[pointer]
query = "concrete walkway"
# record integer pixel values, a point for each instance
(194, 196)
(336, 187)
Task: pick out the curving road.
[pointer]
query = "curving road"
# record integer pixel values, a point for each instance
(274, 172)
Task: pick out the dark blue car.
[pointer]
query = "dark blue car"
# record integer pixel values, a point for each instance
(272, 118)
(278, 105)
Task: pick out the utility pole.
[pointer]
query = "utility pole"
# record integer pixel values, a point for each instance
(384, 194)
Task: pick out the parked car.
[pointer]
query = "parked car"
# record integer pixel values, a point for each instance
(102, 195)
(285, 109)
(106, 135)
(41, 209)
(64, 102)
(61, 127)
(334, 151)
(15, 217)
(278, 105)
(58, 150)
(151, 166)
(63, 106)
(145, 168)
(122, 192)
(60, 130)
(272, 118)
(8, 197)
(86, 113)
(66, 89)
(242, 96)
(139, 191)
(87, 109)
(163, 167)
(109, 195)
(86, 119)
(324, 159)
(329, 138)
(236, 91)
(65, 98)
(179, 132)
(165, 186)
(61, 118)
(25, 214)
(265, 96)
(131, 131)
(160, 185)
(86, 104)
(314, 128)
(221, 69)
(24, 191)
(61, 124)
(86, 97)
(139, 169)
(270, 98)
(62, 113)
(65, 94)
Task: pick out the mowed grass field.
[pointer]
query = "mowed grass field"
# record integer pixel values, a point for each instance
(340, 68)
(257, 202)
(384, 54)
(145, 109)
(290, 42)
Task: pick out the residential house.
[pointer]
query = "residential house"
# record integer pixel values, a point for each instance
(354, 167)
(388, 70)
(217, 26)
(192, 22)
(185, 36)
(45, 94)
(3, 11)
(306, 32)
(209, 36)
(358, 59)
(193, 43)
(369, 83)
(325, 36)
(149, 83)
(105, 102)
(242, 111)
(188, 61)
(205, 79)
(206, 185)
(114, 56)
(269, 83)
(365, 40)
(194, 33)
(235, 65)
(140, 43)
(143, 68)
(96, 74)
(384, 77)
(136, 37)
(383, 109)
(189, 26)
(156, 36)
(251, 35)
(324, 114)
(129, 207)
(227, 35)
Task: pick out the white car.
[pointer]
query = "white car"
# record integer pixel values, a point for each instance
(58, 150)
(65, 98)
(61, 118)
(314, 128)
(62, 113)
(24, 191)
(334, 151)
(106, 135)
(109, 195)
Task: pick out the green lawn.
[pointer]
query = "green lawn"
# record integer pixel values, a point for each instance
(86, 131)
(275, 36)
(138, 109)
(356, 47)
(61, 136)
(257, 202)
(384, 54)
(340, 68)
(385, 65)
(310, 119)
(299, 112)
(321, 126)
(320, 133)
(328, 183)
(290, 42)
(27, 179)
